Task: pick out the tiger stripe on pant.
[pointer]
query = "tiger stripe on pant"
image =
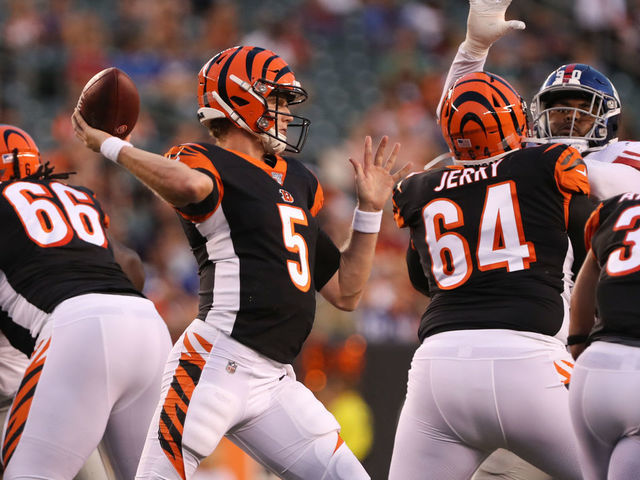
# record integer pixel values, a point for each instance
(174, 410)
(22, 403)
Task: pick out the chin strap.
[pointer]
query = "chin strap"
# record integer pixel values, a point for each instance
(272, 145)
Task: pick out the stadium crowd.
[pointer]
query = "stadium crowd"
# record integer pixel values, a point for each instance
(372, 67)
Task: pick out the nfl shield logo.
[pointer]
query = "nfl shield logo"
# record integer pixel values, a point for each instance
(277, 176)
(231, 366)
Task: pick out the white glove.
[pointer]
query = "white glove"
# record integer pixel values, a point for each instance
(486, 24)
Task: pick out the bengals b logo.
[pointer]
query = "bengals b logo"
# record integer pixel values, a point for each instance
(286, 196)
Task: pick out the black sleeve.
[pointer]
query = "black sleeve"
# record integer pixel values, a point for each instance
(19, 337)
(580, 208)
(327, 260)
(206, 205)
(416, 274)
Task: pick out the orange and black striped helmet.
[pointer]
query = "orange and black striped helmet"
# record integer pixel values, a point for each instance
(236, 83)
(19, 153)
(483, 116)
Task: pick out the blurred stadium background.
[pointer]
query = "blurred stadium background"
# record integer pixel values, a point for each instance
(371, 67)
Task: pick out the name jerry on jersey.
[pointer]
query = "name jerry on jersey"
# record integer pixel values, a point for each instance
(494, 236)
(466, 175)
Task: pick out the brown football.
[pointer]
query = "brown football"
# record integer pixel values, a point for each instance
(110, 102)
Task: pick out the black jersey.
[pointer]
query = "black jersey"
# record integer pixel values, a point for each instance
(613, 234)
(53, 246)
(260, 250)
(492, 239)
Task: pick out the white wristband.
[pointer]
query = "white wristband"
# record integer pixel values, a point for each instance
(111, 147)
(367, 222)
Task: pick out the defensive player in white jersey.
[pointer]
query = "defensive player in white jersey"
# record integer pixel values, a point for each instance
(576, 105)
(95, 344)
(249, 214)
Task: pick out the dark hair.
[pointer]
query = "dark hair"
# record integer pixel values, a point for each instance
(219, 127)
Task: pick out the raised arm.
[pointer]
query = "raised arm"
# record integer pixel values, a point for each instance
(172, 180)
(485, 25)
(374, 184)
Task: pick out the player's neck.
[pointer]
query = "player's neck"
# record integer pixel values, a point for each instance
(241, 141)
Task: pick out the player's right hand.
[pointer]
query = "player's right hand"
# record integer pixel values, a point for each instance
(486, 24)
(91, 137)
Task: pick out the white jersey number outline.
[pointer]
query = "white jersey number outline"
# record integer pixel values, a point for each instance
(617, 264)
(501, 242)
(45, 223)
(299, 272)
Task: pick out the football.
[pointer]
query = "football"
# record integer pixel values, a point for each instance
(110, 102)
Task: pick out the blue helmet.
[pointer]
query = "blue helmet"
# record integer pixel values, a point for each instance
(577, 80)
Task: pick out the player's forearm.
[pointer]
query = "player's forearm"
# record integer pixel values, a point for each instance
(173, 181)
(462, 64)
(583, 297)
(356, 262)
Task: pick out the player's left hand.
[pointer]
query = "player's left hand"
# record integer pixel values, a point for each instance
(486, 24)
(91, 137)
(374, 180)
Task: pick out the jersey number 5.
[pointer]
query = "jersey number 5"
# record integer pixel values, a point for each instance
(501, 242)
(294, 242)
(43, 220)
(619, 263)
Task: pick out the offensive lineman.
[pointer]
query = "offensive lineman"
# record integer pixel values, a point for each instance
(606, 379)
(578, 106)
(96, 345)
(250, 217)
(489, 238)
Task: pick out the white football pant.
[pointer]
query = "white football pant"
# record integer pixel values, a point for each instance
(473, 391)
(215, 386)
(95, 374)
(604, 408)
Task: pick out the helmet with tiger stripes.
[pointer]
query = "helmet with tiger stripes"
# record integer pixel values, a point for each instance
(483, 117)
(19, 153)
(235, 84)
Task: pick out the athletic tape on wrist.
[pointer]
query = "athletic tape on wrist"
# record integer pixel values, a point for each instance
(367, 222)
(111, 147)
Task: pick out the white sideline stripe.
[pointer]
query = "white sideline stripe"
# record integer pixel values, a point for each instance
(226, 287)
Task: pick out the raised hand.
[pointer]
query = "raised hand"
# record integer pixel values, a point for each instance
(486, 24)
(374, 180)
(88, 135)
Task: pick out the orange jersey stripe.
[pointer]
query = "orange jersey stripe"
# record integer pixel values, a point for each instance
(277, 171)
(194, 158)
(400, 221)
(22, 403)
(318, 201)
(591, 226)
(571, 176)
